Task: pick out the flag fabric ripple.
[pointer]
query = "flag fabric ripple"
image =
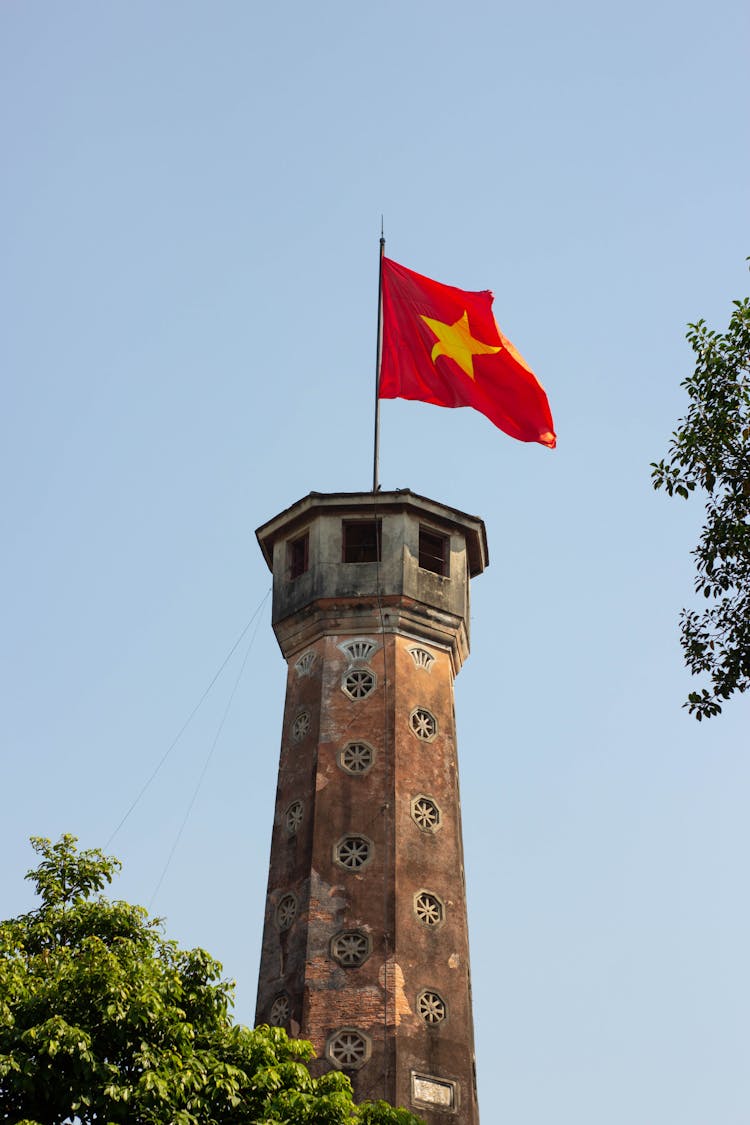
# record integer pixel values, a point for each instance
(442, 345)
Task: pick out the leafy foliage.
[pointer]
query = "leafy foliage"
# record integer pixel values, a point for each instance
(103, 1020)
(710, 450)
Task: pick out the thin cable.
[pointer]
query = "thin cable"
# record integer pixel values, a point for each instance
(206, 764)
(191, 716)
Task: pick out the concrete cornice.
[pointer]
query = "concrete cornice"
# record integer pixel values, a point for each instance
(371, 616)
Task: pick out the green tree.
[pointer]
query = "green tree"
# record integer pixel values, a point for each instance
(710, 451)
(104, 1020)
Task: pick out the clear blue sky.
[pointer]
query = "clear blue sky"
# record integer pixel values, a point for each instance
(191, 198)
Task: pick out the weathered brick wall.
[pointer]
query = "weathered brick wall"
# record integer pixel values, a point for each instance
(379, 997)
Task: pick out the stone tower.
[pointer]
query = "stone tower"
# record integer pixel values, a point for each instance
(365, 942)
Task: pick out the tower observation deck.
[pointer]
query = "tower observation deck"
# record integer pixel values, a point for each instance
(365, 942)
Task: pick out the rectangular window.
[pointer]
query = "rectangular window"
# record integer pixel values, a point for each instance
(297, 553)
(434, 551)
(361, 541)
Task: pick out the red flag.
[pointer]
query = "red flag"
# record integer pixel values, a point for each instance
(442, 345)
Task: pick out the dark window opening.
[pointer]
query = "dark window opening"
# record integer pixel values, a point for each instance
(298, 555)
(361, 541)
(434, 551)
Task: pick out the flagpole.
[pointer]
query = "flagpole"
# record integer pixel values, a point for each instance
(378, 358)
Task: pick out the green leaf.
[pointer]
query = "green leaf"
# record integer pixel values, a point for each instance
(710, 450)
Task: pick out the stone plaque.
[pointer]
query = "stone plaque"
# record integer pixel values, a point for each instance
(433, 1091)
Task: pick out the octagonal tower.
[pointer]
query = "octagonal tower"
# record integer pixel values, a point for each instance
(365, 942)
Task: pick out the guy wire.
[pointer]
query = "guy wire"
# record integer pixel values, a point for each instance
(203, 772)
(191, 716)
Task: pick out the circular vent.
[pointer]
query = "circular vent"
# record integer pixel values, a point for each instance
(423, 724)
(431, 1007)
(356, 757)
(425, 813)
(428, 908)
(279, 1014)
(353, 852)
(350, 948)
(358, 683)
(286, 912)
(293, 817)
(301, 726)
(348, 1049)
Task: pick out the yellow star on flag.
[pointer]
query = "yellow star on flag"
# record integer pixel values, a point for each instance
(456, 342)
